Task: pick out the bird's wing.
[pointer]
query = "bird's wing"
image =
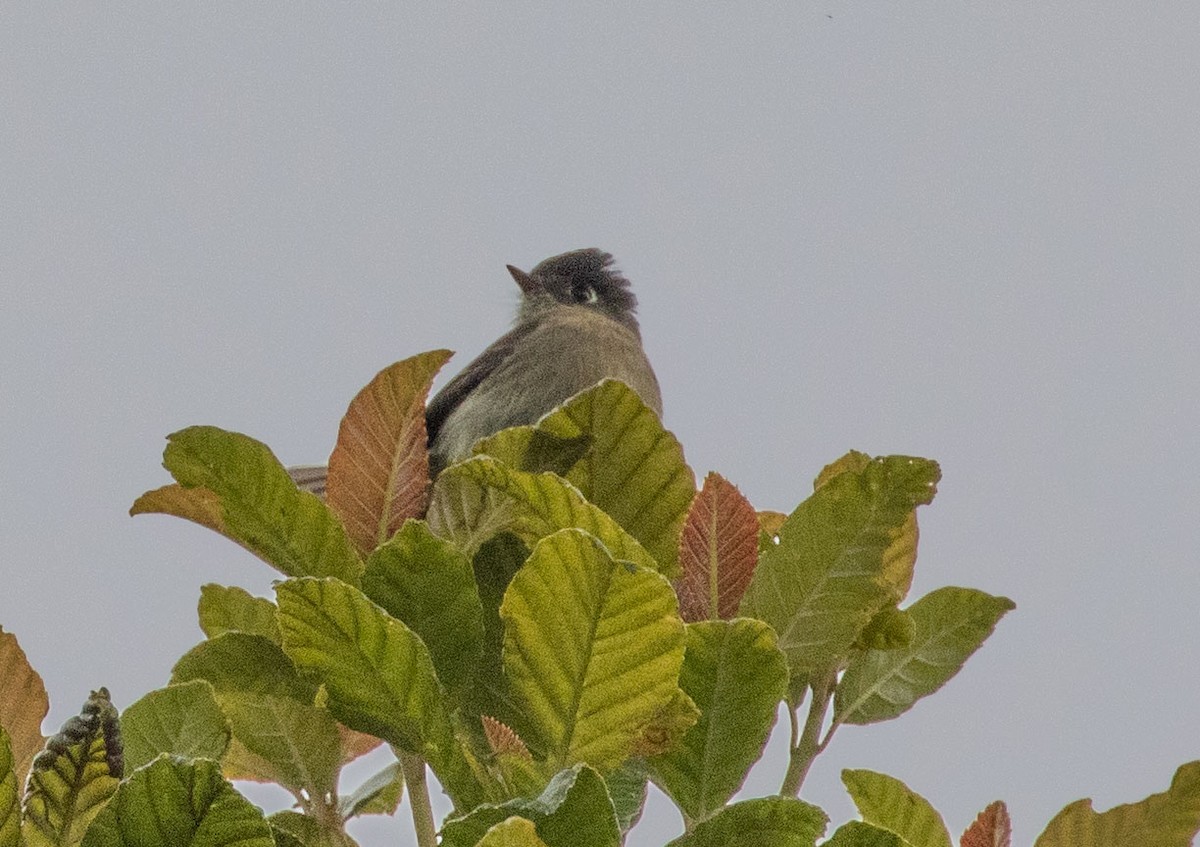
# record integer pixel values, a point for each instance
(467, 380)
(309, 478)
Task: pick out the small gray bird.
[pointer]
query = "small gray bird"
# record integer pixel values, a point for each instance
(575, 326)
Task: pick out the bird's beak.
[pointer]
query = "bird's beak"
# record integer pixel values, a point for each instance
(527, 283)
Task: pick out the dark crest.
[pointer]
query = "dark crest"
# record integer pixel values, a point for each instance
(587, 278)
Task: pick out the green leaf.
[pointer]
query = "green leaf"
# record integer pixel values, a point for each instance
(735, 674)
(379, 795)
(10, 802)
(377, 672)
(239, 662)
(182, 804)
(295, 829)
(592, 648)
(427, 583)
(183, 720)
(859, 834)
(892, 628)
(23, 704)
(888, 803)
(1170, 819)
(763, 822)
(824, 580)
(74, 777)
(379, 470)
(631, 468)
(230, 609)
(627, 788)
(494, 565)
(574, 810)
(283, 741)
(718, 551)
(949, 625)
(480, 498)
(512, 832)
(261, 508)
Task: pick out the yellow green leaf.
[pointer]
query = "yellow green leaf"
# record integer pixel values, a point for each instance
(888, 803)
(482, 497)
(73, 778)
(620, 458)
(1169, 819)
(261, 508)
(592, 649)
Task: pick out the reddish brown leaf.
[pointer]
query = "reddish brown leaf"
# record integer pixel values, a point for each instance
(379, 470)
(991, 829)
(503, 740)
(23, 704)
(355, 744)
(717, 551)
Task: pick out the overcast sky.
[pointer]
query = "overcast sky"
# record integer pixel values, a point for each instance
(966, 231)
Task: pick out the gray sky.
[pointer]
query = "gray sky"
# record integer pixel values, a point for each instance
(963, 231)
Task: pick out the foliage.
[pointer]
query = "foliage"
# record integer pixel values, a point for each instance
(561, 619)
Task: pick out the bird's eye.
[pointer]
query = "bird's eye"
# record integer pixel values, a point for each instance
(585, 294)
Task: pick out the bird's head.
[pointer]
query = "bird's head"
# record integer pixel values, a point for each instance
(582, 278)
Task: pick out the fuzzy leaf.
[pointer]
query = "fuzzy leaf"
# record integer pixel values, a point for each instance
(622, 460)
(901, 555)
(823, 582)
(73, 778)
(243, 663)
(859, 834)
(736, 675)
(379, 470)
(231, 609)
(183, 720)
(183, 804)
(295, 829)
(379, 795)
(427, 583)
(888, 803)
(480, 498)
(23, 704)
(261, 508)
(592, 648)
(718, 550)
(377, 672)
(512, 832)
(627, 787)
(762, 822)
(1170, 819)
(890, 629)
(574, 810)
(280, 740)
(950, 624)
(992, 828)
(198, 505)
(10, 802)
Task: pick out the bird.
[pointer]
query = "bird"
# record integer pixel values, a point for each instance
(576, 325)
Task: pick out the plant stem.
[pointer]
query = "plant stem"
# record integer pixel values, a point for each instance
(806, 748)
(418, 797)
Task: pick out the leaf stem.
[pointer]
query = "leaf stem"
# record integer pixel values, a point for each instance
(805, 749)
(418, 798)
